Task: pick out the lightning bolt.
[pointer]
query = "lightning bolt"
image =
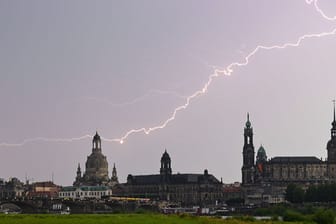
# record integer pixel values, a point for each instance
(227, 71)
(319, 10)
(218, 72)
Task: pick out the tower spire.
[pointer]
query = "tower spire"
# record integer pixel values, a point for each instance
(334, 110)
(114, 178)
(248, 154)
(248, 122)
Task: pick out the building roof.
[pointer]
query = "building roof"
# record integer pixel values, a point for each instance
(44, 184)
(85, 188)
(165, 156)
(295, 159)
(174, 179)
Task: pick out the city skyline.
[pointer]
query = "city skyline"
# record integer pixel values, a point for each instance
(69, 69)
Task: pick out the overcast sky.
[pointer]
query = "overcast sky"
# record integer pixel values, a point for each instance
(69, 68)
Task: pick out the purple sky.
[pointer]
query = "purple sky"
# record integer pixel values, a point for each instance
(69, 68)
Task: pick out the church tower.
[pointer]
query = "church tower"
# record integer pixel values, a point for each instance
(96, 166)
(248, 154)
(114, 178)
(331, 148)
(78, 176)
(165, 170)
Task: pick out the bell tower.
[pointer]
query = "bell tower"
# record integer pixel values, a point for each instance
(248, 154)
(165, 170)
(331, 148)
(114, 178)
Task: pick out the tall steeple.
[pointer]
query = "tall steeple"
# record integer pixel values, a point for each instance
(248, 133)
(333, 124)
(114, 177)
(78, 176)
(248, 154)
(79, 172)
(331, 147)
(334, 110)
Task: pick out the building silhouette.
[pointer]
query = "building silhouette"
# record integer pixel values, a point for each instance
(186, 189)
(96, 168)
(265, 180)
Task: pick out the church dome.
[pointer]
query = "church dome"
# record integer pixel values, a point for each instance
(261, 154)
(96, 167)
(97, 161)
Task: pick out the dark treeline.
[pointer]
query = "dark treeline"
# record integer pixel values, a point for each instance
(319, 193)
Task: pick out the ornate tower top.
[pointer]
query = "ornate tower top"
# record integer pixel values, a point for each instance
(331, 145)
(261, 154)
(248, 133)
(248, 123)
(78, 176)
(78, 168)
(165, 164)
(165, 157)
(333, 124)
(114, 177)
(96, 143)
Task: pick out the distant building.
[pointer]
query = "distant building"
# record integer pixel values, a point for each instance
(114, 179)
(11, 189)
(232, 191)
(96, 168)
(45, 189)
(85, 192)
(187, 189)
(265, 180)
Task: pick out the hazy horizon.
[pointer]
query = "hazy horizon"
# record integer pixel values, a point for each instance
(71, 68)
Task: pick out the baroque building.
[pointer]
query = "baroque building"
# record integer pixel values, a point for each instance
(187, 189)
(96, 168)
(265, 180)
(85, 192)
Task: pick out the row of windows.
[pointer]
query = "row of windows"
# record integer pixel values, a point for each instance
(90, 193)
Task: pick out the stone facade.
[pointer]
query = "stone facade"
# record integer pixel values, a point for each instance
(46, 189)
(293, 169)
(266, 179)
(186, 189)
(85, 192)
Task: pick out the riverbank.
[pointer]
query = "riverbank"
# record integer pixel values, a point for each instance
(119, 219)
